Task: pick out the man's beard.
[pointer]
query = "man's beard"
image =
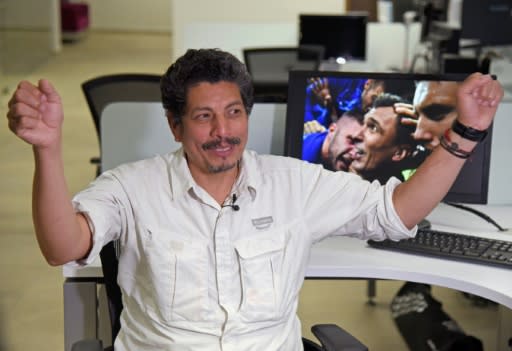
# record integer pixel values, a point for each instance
(215, 143)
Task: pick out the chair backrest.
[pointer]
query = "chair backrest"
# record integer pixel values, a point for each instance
(133, 87)
(109, 265)
(269, 67)
(132, 131)
(273, 63)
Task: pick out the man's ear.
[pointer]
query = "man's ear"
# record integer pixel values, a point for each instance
(400, 153)
(175, 125)
(367, 85)
(332, 129)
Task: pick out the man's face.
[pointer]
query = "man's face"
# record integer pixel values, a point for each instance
(375, 145)
(213, 130)
(434, 103)
(341, 136)
(371, 91)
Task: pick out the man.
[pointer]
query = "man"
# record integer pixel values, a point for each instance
(433, 111)
(384, 146)
(332, 147)
(196, 272)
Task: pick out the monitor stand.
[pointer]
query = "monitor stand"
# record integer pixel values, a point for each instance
(424, 224)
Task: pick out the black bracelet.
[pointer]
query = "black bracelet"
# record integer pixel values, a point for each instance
(468, 132)
(452, 147)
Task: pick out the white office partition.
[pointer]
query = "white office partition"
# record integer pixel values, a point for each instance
(235, 36)
(131, 131)
(500, 174)
(267, 128)
(391, 45)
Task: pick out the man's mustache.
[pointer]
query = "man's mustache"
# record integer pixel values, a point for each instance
(216, 143)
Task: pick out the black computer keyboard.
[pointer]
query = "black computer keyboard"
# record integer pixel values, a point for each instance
(453, 246)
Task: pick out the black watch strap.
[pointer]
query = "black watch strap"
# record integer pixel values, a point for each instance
(468, 132)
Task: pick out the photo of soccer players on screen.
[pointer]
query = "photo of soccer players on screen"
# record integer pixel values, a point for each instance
(376, 128)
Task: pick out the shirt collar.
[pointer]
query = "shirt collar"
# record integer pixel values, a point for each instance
(181, 180)
(251, 176)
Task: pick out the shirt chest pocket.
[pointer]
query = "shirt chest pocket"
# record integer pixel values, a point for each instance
(261, 262)
(178, 277)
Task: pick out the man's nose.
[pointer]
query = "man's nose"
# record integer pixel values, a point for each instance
(356, 137)
(219, 126)
(422, 134)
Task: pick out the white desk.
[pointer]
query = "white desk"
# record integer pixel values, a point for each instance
(358, 260)
(341, 257)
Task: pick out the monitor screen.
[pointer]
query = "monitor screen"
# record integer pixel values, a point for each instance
(378, 125)
(489, 21)
(342, 36)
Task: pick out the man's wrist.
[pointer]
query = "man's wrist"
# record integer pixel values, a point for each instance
(456, 144)
(468, 133)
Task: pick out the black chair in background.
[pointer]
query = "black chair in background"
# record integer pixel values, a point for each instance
(332, 337)
(107, 89)
(269, 67)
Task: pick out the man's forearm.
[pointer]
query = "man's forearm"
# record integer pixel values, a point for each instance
(62, 235)
(415, 198)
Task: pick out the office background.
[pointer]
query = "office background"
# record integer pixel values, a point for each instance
(125, 37)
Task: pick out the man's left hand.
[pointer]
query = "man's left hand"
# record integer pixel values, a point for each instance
(478, 98)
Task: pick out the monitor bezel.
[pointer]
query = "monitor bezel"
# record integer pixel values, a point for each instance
(294, 131)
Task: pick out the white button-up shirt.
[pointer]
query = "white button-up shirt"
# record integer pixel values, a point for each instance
(196, 275)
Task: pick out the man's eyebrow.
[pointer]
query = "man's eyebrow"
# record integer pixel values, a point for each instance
(235, 103)
(201, 108)
(209, 109)
(436, 112)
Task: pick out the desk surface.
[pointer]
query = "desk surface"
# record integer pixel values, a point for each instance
(342, 257)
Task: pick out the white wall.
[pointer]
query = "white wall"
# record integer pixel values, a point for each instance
(32, 15)
(27, 14)
(125, 15)
(272, 12)
(131, 15)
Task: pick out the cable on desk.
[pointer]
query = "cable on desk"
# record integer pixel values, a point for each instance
(478, 213)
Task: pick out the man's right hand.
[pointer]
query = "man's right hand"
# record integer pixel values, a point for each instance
(320, 87)
(313, 126)
(35, 114)
(406, 110)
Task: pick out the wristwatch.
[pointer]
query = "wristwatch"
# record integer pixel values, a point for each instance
(468, 132)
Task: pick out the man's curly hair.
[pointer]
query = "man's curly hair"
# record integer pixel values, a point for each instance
(203, 65)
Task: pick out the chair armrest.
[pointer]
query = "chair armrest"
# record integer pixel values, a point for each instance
(87, 345)
(334, 338)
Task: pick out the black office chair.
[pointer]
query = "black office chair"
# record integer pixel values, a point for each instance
(269, 66)
(332, 337)
(124, 87)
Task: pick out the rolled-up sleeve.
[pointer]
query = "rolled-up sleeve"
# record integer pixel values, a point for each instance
(344, 204)
(101, 203)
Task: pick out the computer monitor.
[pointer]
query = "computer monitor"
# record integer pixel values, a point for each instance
(342, 36)
(488, 21)
(358, 132)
